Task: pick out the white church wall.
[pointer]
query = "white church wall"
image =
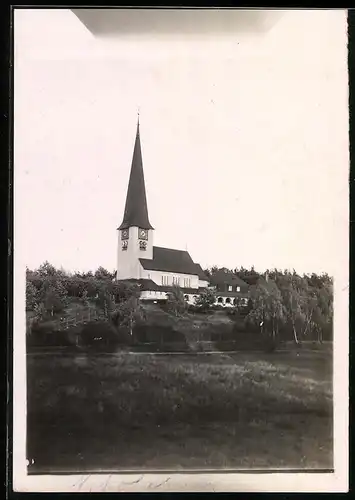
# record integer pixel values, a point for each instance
(152, 295)
(169, 279)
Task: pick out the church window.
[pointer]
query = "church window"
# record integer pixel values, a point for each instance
(176, 280)
(228, 300)
(124, 245)
(238, 289)
(186, 297)
(165, 280)
(230, 288)
(143, 245)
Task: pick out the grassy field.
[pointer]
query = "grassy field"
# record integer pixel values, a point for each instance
(245, 410)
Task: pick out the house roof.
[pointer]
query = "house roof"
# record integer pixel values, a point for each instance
(252, 279)
(201, 275)
(136, 210)
(227, 278)
(170, 260)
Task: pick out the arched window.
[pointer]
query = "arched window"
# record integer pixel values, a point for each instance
(228, 300)
(235, 302)
(186, 297)
(195, 298)
(220, 300)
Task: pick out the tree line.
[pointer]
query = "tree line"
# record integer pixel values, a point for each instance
(286, 304)
(49, 291)
(282, 304)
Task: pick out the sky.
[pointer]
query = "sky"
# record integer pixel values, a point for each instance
(244, 138)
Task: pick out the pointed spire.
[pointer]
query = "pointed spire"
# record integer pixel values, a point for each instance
(136, 210)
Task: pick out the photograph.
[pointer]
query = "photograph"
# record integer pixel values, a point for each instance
(180, 241)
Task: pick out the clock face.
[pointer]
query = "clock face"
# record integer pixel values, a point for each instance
(125, 234)
(143, 234)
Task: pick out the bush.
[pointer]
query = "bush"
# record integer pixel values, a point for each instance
(193, 309)
(223, 331)
(46, 335)
(218, 307)
(100, 336)
(160, 334)
(246, 342)
(239, 325)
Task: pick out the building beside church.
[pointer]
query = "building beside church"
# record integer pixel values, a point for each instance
(157, 270)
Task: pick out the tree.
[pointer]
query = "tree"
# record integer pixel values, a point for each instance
(176, 301)
(31, 295)
(206, 299)
(250, 276)
(322, 319)
(101, 273)
(105, 303)
(40, 311)
(213, 270)
(122, 291)
(84, 298)
(127, 314)
(46, 269)
(268, 310)
(53, 301)
(299, 303)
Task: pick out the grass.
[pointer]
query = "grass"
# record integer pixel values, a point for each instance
(245, 410)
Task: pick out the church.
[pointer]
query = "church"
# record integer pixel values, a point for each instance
(157, 269)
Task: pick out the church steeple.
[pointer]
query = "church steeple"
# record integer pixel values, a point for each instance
(136, 210)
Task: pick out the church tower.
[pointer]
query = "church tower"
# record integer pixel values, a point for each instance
(135, 234)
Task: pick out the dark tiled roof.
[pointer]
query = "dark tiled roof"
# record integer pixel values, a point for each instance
(144, 284)
(191, 291)
(136, 210)
(251, 279)
(221, 277)
(201, 275)
(170, 260)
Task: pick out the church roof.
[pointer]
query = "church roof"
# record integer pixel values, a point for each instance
(136, 210)
(170, 260)
(144, 284)
(201, 275)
